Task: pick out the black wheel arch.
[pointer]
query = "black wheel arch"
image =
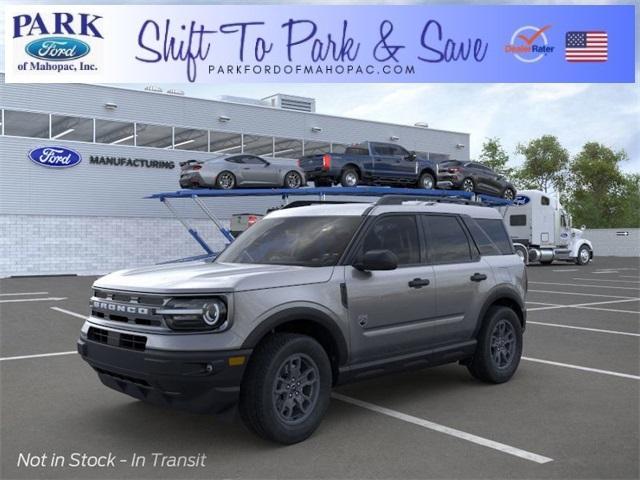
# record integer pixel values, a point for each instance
(430, 171)
(352, 166)
(503, 296)
(307, 321)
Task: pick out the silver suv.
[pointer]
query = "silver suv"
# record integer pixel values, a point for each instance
(309, 298)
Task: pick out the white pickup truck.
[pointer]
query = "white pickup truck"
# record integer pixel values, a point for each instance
(541, 230)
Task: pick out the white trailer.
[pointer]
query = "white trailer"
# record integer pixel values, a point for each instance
(541, 230)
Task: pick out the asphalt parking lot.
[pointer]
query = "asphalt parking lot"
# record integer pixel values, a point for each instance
(571, 411)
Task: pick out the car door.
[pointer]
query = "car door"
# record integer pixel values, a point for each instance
(384, 161)
(390, 311)
(257, 171)
(405, 165)
(462, 278)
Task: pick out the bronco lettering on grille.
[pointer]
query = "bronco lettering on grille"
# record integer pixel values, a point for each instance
(114, 307)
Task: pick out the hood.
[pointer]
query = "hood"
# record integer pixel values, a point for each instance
(205, 277)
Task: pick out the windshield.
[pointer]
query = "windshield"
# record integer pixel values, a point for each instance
(302, 241)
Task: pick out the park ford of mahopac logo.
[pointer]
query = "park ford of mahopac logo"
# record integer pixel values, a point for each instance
(55, 157)
(53, 41)
(57, 49)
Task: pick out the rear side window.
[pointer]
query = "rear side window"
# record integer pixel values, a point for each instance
(446, 240)
(397, 233)
(490, 236)
(356, 151)
(518, 220)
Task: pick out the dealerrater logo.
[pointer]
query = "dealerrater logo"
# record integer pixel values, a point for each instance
(57, 40)
(530, 44)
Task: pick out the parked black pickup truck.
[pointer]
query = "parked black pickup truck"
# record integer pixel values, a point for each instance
(371, 163)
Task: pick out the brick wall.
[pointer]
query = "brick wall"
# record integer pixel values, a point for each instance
(41, 245)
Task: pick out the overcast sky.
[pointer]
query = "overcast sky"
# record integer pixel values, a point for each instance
(575, 113)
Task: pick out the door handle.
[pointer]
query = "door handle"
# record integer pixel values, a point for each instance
(419, 282)
(478, 277)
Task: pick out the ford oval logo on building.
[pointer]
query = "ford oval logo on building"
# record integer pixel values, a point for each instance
(57, 49)
(55, 157)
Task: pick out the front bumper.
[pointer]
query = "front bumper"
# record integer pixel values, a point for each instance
(201, 382)
(449, 181)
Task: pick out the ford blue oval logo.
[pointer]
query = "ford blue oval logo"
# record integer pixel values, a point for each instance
(57, 49)
(521, 200)
(55, 157)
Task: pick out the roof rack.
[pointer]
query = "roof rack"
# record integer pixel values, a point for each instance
(400, 199)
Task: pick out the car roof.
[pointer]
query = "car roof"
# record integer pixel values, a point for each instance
(356, 209)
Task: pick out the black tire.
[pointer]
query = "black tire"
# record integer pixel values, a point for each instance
(427, 181)
(485, 364)
(509, 193)
(349, 177)
(468, 185)
(584, 255)
(259, 405)
(293, 180)
(546, 262)
(225, 180)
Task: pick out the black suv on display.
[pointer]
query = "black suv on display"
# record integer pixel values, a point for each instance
(475, 177)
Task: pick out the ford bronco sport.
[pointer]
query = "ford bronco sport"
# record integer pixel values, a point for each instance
(309, 298)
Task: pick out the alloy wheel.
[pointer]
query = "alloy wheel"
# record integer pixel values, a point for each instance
(293, 180)
(508, 194)
(226, 181)
(503, 344)
(296, 388)
(427, 182)
(351, 179)
(467, 185)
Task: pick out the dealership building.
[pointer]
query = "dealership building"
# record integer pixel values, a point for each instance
(92, 218)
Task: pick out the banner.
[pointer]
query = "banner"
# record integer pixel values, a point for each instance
(284, 43)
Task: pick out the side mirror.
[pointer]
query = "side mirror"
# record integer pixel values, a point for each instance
(377, 260)
(412, 156)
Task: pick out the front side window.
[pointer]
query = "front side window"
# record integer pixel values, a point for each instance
(301, 241)
(447, 240)
(398, 234)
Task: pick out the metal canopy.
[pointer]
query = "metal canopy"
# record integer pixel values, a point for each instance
(401, 193)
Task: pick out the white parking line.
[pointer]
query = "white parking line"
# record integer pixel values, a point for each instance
(628, 276)
(40, 355)
(73, 314)
(485, 442)
(23, 293)
(586, 329)
(604, 272)
(48, 299)
(633, 312)
(587, 286)
(567, 270)
(587, 305)
(546, 304)
(579, 367)
(582, 294)
(605, 280)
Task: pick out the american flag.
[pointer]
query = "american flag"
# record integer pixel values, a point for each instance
(586, 47)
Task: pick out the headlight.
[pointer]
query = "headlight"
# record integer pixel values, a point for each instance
(196, 314)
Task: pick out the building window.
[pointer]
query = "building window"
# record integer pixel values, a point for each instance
(287, 148)
(77, 129)
(191, 139)
(158, 136)
(115, 133)
(258, 145)
(26, 124)
(315, 148)
(225, 142)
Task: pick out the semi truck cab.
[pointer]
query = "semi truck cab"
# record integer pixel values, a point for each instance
(542, 231)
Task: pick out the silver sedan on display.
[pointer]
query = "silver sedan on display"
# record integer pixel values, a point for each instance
(241, 170)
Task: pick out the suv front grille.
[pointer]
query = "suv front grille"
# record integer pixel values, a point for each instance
(130, 308)
(116, 339)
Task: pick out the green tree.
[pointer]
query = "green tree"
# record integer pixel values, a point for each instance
(545, 164)
(600, 195)
(494, 156)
